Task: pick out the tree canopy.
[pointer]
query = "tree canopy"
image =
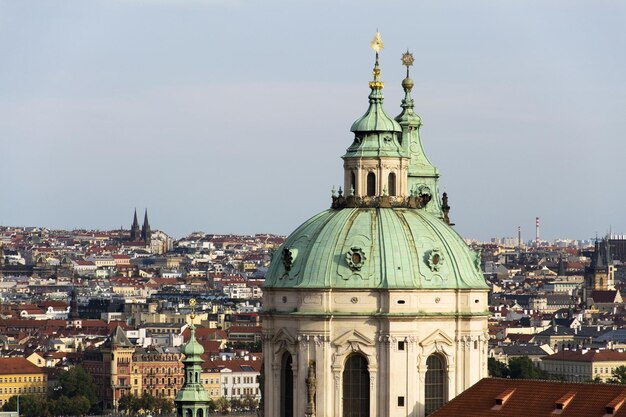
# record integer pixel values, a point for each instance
(518, 368)
(76, 382)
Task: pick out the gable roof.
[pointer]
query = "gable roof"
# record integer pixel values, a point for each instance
(118, 338)
(605, 296)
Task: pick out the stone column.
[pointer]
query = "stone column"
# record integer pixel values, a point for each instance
(412, 384)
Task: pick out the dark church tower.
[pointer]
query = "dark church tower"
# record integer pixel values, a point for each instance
(73, 318)
(134, 229)
(146, 233)
(600, 275)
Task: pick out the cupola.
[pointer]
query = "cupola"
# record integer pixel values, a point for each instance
(375, 164)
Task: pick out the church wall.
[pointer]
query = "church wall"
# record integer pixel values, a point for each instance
(327, 326)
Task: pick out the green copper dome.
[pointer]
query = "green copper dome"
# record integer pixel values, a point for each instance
(375, 248)
(193, 349)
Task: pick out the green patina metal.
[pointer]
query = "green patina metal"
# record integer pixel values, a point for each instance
(375, 133)
(366, 244)
(401, 249)
(421, 173)
(192, 400)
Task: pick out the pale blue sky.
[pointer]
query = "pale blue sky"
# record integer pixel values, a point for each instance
(231, 116)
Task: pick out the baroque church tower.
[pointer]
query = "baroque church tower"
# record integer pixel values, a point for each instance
(192, 400)
(375, 307)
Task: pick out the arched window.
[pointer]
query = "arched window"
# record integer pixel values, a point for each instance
(286, 386)
(434, 389)
(391, 183)
(371, 184)
(352, 183)
(356, 387)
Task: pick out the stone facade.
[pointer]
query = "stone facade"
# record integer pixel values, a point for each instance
(327, 327)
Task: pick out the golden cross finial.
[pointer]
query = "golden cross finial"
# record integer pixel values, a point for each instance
(377, 43)
(192, 304)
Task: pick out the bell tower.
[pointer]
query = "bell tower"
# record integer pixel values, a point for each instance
(423, 176)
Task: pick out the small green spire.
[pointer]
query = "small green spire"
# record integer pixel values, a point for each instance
(375, 119)
(192, 396)
(408, 116)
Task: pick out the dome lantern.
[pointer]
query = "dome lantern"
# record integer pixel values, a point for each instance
(376, 159)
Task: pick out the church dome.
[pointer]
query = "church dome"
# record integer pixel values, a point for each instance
(375, 248)
(391, 231)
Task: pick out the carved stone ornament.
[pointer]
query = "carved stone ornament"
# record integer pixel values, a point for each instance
(435, 260)
(477, 256)
(355, 258)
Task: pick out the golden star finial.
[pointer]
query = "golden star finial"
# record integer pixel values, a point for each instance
(407, 61)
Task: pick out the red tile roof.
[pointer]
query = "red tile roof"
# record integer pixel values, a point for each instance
(591, 355)
(18, 366)
(525, 398)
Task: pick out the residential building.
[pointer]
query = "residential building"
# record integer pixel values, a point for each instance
(584, 365)
(18, 376)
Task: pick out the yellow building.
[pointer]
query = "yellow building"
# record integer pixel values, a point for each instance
(19, 376)
(584, 365)
(211, 381)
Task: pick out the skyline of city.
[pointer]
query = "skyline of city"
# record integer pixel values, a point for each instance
(506, 240)
(201, 111)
